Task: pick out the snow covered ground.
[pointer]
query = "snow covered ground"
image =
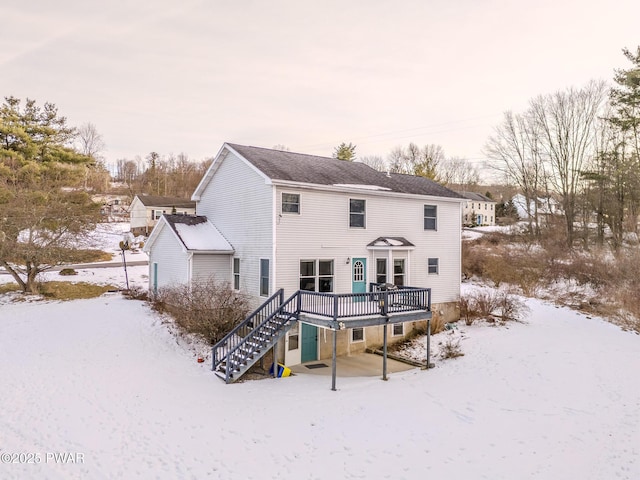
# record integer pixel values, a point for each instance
(557, 397)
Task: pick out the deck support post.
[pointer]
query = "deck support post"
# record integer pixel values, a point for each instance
(334, 360)
(428, 343)
(384, 350)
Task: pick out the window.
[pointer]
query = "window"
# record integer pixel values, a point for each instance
(432, 267)
(236, 273)
(430, 216)
(381, 270)
(308, 275)
(156, 214)
(485, 206)
(325, 275)
(398, 271)
(491, 207)
(264, 277)
(398, 329)
(358, 271)
(356, 213)
(290, 203)
(294, 337)
(473, 205)
(316, 275)
(357, 334)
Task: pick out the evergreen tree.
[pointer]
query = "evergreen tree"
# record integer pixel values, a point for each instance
(345, 151)
(43, 209)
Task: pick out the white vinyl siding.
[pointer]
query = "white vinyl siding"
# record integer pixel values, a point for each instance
(240, 204)
(173, 262)
(323, 232)
(206, 265)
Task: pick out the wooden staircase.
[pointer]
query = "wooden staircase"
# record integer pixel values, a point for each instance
(238, 351)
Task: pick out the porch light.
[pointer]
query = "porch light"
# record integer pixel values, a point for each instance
(348, 261)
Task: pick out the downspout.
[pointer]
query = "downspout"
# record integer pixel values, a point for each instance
(190, 269)
(274, 236)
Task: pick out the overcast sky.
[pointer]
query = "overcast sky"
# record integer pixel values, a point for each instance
(188, 75)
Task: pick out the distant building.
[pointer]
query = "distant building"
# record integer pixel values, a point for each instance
(113, 208)
(146, 210)
(478, 210)
(543, 205)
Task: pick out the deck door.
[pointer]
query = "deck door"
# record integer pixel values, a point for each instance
(359, 276)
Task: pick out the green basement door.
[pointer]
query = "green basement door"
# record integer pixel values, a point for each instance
(309, 342)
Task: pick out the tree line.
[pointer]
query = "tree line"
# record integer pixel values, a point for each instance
(581, 146)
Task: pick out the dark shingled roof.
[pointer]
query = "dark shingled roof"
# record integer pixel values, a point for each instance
(478, 197)
(156, 201)
(299, 167)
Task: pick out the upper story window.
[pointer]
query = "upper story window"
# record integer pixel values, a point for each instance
(430, 217)
(290, 203)
(357, 213)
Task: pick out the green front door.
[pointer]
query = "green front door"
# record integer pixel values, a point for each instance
(309, 351)
(359, 277)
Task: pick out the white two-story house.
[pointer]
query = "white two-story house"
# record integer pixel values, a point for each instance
(478, 210)
(269, 219)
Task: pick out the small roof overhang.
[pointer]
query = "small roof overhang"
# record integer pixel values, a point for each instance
(391, 243)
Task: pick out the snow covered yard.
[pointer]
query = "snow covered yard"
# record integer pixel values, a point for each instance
(555, 398)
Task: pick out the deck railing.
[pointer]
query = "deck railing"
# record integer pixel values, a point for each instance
(379, 301)
(237, 336)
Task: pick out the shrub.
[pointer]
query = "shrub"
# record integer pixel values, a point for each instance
(490, 305)
(451, 348)
(67, 271)
(208, 309)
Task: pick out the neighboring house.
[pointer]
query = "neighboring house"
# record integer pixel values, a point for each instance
(307, 224)
(113, 208)
(545, 206)
(146, 210)
(478, 210)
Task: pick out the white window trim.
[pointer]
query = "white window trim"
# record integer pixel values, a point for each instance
(393, 333)
(282, 202)
(364, 214)
(364, 335)
(437, 272)
(424, 217)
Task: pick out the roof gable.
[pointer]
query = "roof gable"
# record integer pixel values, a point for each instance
(194, 233)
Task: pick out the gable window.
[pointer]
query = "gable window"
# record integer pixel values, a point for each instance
(381, 270)
(432, 266)
(290, 203)
(357, 213)
(264, 277)
(430, 217)
(316, 275)
(398, 271)
(357, 334)
(398, 329)
(236, 273)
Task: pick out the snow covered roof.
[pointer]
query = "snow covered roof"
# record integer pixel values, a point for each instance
(387, 242)
(197, 234)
